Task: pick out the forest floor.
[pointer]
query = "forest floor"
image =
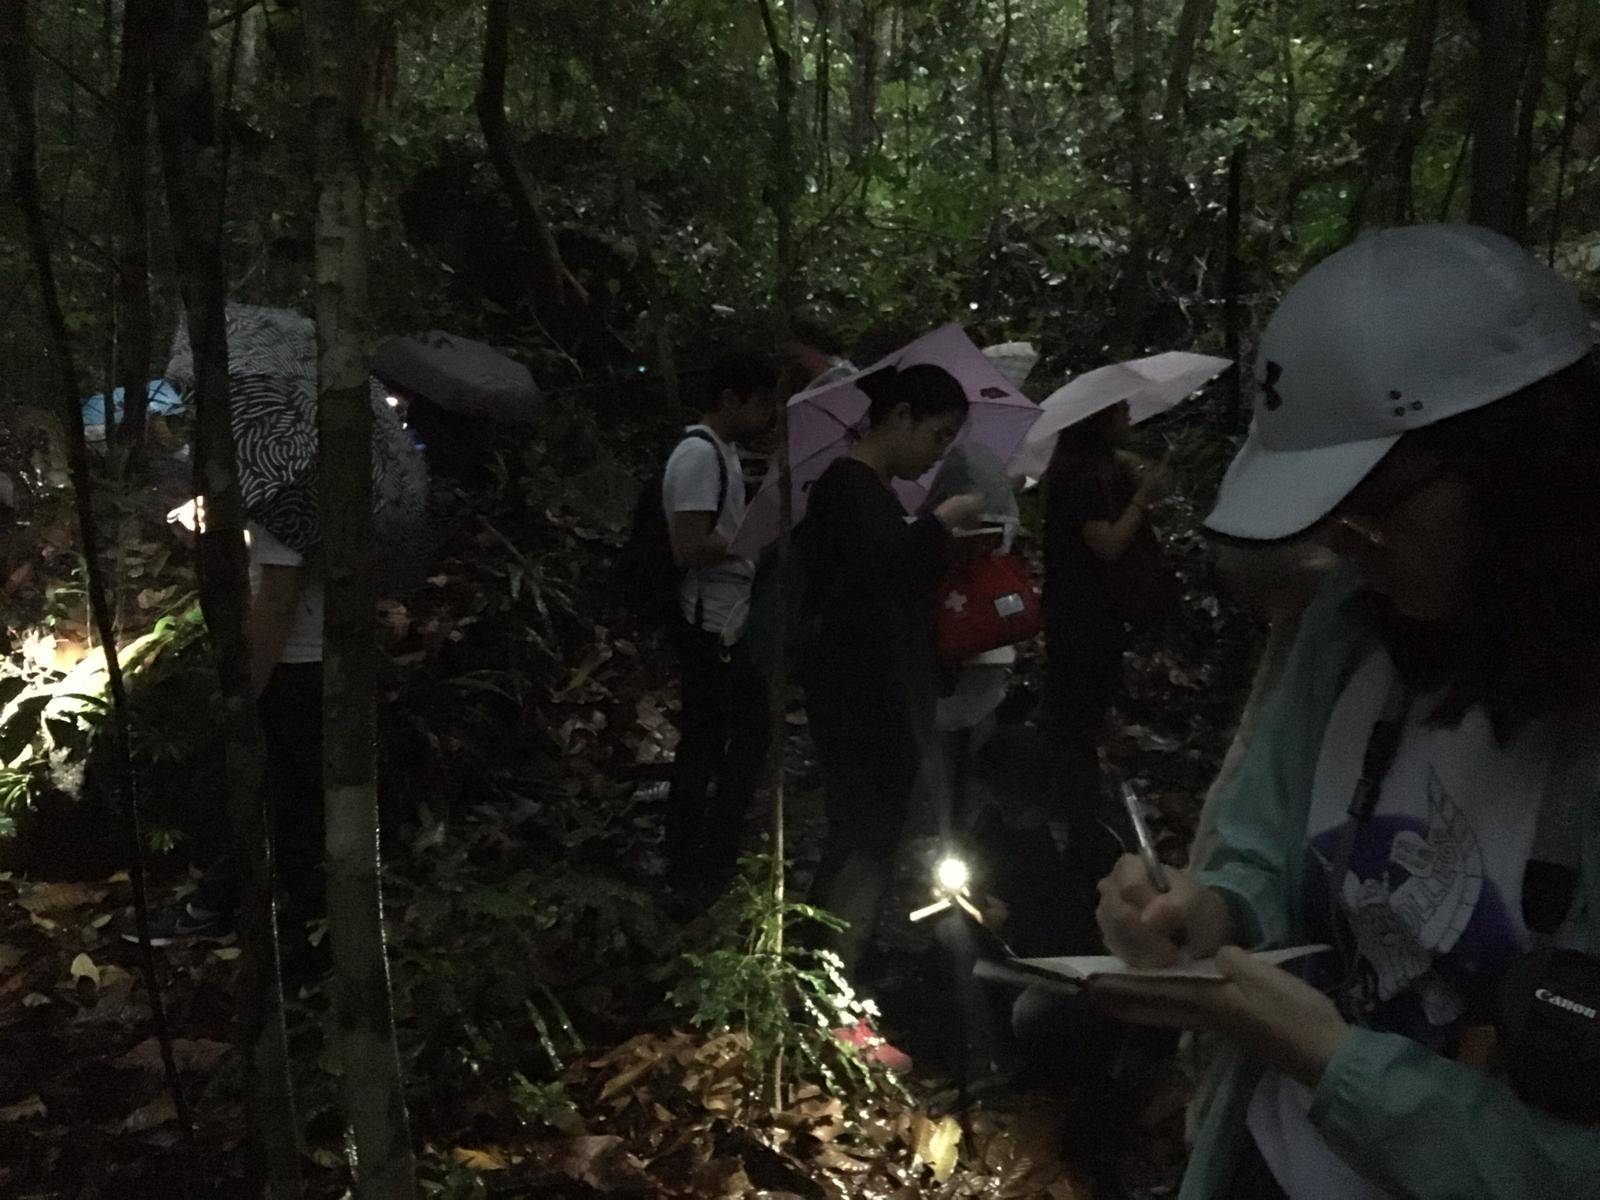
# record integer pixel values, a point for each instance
(533, 957)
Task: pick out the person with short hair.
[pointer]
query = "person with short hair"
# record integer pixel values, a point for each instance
(725, 723)
(1423, 794)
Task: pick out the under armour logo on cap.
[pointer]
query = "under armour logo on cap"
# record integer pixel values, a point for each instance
(1274, 400)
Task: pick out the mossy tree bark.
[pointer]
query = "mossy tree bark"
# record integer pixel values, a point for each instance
(371, 1087)
(193, 157)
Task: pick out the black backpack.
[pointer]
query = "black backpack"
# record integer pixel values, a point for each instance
(646, 578)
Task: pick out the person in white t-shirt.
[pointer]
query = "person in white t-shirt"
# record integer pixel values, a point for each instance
(283, 630)
(725, 722)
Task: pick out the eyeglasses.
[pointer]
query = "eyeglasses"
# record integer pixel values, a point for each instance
(1357, 524)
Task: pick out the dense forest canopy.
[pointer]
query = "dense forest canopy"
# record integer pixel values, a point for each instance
(1056, 171)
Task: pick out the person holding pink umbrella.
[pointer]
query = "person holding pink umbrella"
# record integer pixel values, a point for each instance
(870, 667)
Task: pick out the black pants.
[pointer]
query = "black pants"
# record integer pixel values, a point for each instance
(725, 727)
(1082, 679)
(290, 711)
(870, 754)
(291, 728)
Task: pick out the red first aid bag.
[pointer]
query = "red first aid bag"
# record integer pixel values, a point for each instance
(984, 604)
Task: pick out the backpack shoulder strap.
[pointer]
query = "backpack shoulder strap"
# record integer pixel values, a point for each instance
(1555, 864)
(722, 465)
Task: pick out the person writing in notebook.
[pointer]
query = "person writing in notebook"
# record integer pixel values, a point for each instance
(1424, 795)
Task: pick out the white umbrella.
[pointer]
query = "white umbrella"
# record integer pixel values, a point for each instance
(1014, 360)
(1149, 385)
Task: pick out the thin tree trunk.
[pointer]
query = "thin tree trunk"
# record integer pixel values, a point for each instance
(1134, 289)
(824, 98)
(558, 282)
(1289, 131)
(1501, 29)
(192, 155)
(371, 1087)
(993, 81)
(17, 65)
(783, 193)
(1101, 63)
(1233, 309)
(1575, 83)
(1536, 56)
(1456, 168)
(1385, 191)
(655, 321)
(1414, 70)
(1194, 21)
(864, 88)
(130, 141)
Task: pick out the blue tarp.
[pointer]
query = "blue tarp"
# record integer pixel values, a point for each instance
(164, 398)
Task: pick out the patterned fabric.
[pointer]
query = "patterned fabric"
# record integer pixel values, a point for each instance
(272, 370)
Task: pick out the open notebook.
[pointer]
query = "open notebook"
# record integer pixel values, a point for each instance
(1088, 966)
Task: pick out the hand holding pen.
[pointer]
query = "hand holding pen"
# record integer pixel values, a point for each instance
(1151, 916)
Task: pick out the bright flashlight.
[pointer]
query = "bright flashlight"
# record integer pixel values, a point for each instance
(952, 875)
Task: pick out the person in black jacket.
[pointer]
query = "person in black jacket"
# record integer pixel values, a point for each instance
(870, 670)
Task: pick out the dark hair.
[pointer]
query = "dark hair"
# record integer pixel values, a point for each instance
(929, 391)
(1084, 443)
(1527, 645)
(742, 372)
(811, 330)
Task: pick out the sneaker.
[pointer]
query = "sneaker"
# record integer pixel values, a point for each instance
(191, 923)
(871, 1046)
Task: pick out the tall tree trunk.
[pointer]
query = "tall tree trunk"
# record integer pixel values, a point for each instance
(193, 158)
(1194, 22)
(558, 282)
(864, 86)
(1134, 290)
(1384, 194)
(371, 1087)
(130, 142)
(821, 132)
(1413, 87)
(16, 63)
(1569, 121)
(1101, 63)
(1536, 49)
(1501, 38)
(993, 83)
(782, 193)
(1232, 286)
(1295, 175)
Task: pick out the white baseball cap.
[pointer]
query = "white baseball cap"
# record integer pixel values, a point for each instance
(1394, 332)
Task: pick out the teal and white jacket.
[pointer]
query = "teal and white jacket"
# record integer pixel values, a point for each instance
(1412, 1121)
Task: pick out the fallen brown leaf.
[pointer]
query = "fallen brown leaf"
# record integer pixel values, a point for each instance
(22, 1110)
(158, 1112)
(191, 1055)
(478, 1160)
(44, 898)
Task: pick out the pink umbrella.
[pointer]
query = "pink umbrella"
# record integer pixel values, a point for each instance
(824, 422)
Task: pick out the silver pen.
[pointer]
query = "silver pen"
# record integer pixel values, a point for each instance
(1147, 846)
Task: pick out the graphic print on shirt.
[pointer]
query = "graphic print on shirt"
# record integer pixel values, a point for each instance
(1424, 916)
